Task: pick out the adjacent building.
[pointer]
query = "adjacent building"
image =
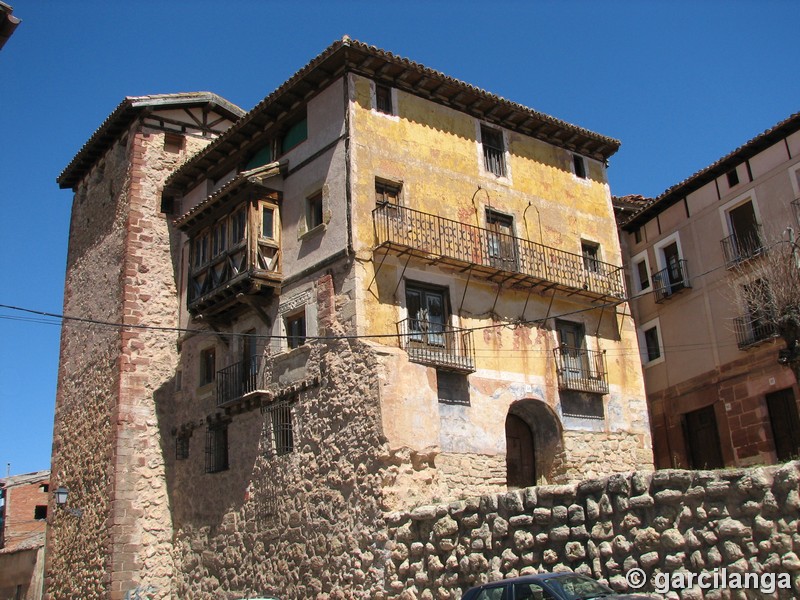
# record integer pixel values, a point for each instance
(717, 394)
(24, 501)
(379, 288)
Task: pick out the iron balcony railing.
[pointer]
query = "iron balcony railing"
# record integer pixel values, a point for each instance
(491, 253)
(751, 330)
(671, 280)
(581, 370)
(438, 345)
(738, 248)
(238, 380)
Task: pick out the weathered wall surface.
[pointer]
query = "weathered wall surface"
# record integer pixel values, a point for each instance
(744, 520)
(307, 523)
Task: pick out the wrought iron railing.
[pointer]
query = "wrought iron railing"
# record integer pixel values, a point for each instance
(430, 235)
(438, 345)
(237, 380)
(738, 248)
(581, 370)
(671, 280)
(751, 330)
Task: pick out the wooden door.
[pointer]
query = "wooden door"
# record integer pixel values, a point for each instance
(702, 439)
(520, 453)
(783, 416)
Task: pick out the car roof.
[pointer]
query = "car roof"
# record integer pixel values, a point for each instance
(532, 578)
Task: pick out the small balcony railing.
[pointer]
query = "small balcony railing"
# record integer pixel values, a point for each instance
(671, 280)
(238, 380)
(741, 247)
(751, 330)
(498, 256)
(581, 370)
(438, 345)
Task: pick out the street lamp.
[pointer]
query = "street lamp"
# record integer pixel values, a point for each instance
(61, 500)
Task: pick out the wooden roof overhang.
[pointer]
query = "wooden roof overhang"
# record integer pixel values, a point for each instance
(245, 185)
(348, 55)
(130, 109)
(679, 191)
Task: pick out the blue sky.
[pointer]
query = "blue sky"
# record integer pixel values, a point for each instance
(679, 83)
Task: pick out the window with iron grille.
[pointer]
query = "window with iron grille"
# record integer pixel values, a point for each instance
(182, 446)
(383, 99)
(279, 416)
(217, 449)
(494, 152)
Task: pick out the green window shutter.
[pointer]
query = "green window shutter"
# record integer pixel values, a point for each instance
(294, 135)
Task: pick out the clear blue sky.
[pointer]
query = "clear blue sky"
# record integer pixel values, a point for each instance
(679, 83)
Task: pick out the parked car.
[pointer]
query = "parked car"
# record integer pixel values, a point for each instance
(546, 586)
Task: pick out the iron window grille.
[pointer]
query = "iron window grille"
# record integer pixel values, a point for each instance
(217, 449)
(671, 280)
(182, 446)
(743, 246)
(494, 152)
(279, 415)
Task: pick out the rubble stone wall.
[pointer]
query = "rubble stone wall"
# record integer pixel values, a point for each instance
(666, 521)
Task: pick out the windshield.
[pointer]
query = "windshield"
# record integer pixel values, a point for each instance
(577, 587)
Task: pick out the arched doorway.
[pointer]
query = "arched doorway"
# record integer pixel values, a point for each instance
(533, 444)
(520, 453)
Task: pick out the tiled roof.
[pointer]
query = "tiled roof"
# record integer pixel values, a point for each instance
(714, 170)
(348, 55)
(122, 117)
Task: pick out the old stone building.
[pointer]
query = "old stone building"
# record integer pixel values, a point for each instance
(380, 287)
(718, 396)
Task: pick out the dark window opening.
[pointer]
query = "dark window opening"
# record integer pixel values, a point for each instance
(383, 99)
(387, 193)
(44, 488)
(428, 314)
(494, 152)
(268, 223)
(40, 512)
(652, 343)
(644, 276)
(637, 235)
(782, 408)
(452, 388)
(208, 365)
(296, 330)
(580, 166)
(217, 449)
(280, 415)
(590, 253)
(314, 211)
(168, 205)
(182, 446)
(733, 177)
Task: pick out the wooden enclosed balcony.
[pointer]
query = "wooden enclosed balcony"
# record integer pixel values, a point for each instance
(581, 370)
(437, 345)
(496, 256)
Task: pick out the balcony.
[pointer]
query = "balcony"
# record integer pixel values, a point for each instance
(238, 380)
(750, 330)
(498, 257)
(741, 247)
(437, 345)
(581, 370)
(671, 280)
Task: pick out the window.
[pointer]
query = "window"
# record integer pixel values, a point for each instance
(182, 446)
(494, 152)
(641, 272)
(40, 512)
(296, 329)
(733, 177)
(579, 165)
(280, 414)
(314, 211)
(44, 488)
(268, 222)
(590, 252)
(428, 314)
(744, 241)
(452, 388)
(637, 235)
(673, 273)
(218, 238)
(387, 193)
(217, 448)
(383, 99)
(296, 134)
(173, 142)
(208, 365)
(650, 345)
(502, 245)
(200, 250)
(237, 226)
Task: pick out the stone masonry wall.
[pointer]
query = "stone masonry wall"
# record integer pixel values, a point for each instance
(667, 521)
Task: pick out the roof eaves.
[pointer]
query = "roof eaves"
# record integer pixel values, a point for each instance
(714, 170)
(121, 118)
